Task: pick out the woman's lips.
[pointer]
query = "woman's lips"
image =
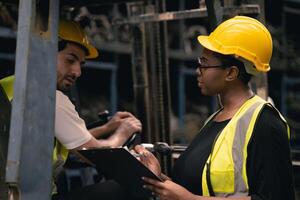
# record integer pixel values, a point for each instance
(200, 83)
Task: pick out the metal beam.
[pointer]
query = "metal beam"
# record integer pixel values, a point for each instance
(95, 2)
(260, 82)
(214, 12)
(101, 65)
(161, 68)
(29, 163)
(7, 33)
(7, 56)
(250, 9)
(124, 48)
(291, 10)
(81, 2)
(151, 76)
(140, 74)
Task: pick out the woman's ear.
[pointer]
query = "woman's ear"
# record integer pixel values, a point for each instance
(232, 73)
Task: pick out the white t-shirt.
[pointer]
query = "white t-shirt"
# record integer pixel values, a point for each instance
(70, 129)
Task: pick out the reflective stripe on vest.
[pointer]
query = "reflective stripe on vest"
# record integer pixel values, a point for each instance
(227, 161)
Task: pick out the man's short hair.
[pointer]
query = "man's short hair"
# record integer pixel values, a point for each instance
(62, 44)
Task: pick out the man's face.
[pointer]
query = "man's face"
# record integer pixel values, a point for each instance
(69, 63)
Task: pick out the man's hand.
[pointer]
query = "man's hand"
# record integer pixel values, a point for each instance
(127, 128)
(116, 120)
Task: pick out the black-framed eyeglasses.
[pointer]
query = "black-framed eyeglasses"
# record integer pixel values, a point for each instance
(201, 66)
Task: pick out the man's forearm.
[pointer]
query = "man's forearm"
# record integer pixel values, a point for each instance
(110, 142)
(99, 131)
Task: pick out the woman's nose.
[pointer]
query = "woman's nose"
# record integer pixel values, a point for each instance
(198, 72)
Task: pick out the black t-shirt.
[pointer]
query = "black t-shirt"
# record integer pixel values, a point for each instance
(269, 168)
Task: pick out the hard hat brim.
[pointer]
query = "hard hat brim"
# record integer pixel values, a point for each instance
(206, 43)
(93, 52)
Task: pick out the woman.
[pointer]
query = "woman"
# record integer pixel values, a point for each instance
(242, 151)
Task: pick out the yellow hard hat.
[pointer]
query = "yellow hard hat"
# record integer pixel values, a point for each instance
(243, 37)
(73, 32)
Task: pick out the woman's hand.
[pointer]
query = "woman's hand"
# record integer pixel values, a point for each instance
(167, 190)
(148, 159)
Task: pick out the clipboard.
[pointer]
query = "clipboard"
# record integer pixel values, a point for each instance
(120, 165)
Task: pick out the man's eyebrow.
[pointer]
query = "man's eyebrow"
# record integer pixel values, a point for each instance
(74, 55)
(77, 58)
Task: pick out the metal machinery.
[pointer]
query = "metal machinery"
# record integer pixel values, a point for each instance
(31, 129)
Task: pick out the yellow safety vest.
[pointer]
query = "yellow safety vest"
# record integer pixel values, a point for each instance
(60, 153)
(225, 167)
(7, 84)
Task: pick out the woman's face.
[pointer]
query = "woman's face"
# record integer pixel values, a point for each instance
(210, 73)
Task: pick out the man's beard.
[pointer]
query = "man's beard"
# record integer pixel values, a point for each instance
(64, 84)
(63, 88)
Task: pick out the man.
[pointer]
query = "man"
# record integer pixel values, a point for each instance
(74, 48)
(70, 131)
